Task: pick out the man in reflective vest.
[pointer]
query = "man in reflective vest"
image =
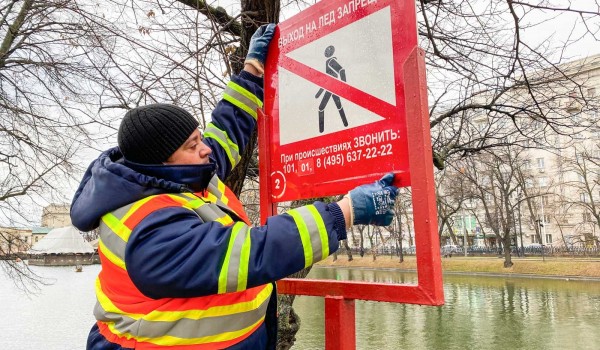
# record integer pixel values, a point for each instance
(182, 268)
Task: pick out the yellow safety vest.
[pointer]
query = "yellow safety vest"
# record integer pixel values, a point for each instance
(126, 317)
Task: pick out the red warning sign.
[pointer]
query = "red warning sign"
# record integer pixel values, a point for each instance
(345, 102)
(335, 97)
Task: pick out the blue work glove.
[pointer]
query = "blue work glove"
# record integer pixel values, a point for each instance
(372, 204)
(259, 45)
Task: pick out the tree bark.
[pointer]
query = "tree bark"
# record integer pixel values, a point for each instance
(254, 14)
(507, 257)
(288, 320)
(12, 31)
(348, 251)
(218, 15)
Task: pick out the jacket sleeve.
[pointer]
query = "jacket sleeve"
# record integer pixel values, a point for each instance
(172, 253)
(233, 121)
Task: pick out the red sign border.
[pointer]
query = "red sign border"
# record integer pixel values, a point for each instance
(429, 290)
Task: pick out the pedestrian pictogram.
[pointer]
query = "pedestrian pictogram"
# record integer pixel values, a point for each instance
(334, 69)
(362, 49)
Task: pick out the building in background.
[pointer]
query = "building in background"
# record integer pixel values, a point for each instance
(62, 246)
(17, 241)
(543, 186)
(14, 241)
(56, 215)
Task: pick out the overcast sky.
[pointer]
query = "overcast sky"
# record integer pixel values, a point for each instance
(559, 28)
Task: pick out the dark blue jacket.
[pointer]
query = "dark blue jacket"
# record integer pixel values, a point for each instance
(172, 253)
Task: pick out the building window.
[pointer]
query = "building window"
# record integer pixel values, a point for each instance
(536, 125)
(587, 216)
(572, 104)
(481, 126)
(584, 197)
(548, 238)
(526, 164)
(545, 200)
(540, 163)
(545, 220)
(470, 202)
(534, 239)
(543, 182)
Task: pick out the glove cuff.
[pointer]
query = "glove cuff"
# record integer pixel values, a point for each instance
(256, 64)
(251, 77)
(340, 222)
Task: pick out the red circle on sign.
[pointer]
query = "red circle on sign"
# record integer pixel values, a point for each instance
(278, 184)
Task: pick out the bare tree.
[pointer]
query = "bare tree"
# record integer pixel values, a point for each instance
(494, 181)
(586, 165)
(361, 238)
(47, 82)
(402, 214)
(534, 194)
(451, 191)
(67, 64)
(485, 67)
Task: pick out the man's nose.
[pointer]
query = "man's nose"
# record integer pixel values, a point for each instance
(205, 150)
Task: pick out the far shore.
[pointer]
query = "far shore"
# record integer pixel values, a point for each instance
(550, 267)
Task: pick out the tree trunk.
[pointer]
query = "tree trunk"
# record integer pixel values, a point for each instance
(451, 233)
(348, 250)
(373, 247)
(507, 257)
(288, 320)
(255, 13)
(12, 31)
(399, 239)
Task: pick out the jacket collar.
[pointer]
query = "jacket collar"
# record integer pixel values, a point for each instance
(109, 184)
(194, 178)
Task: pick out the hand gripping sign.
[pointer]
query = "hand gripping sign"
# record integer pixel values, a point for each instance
(345, 103)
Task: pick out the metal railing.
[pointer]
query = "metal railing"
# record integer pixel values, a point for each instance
(547, 250)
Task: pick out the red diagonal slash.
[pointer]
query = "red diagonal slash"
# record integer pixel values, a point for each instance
(337, 87)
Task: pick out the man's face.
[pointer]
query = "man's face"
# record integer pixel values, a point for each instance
(193, 151)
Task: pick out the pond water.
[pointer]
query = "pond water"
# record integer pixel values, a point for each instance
(480, 313)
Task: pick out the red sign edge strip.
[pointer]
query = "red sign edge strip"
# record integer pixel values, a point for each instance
(429, 290)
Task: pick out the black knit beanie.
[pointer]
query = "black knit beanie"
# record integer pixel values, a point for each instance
(150, 134)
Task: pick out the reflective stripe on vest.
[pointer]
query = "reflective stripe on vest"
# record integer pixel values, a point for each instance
(234, 272)
(217, 187)
(216, 324)
(231, 148)
(218, 321)
(242, 98)
(313, 233)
